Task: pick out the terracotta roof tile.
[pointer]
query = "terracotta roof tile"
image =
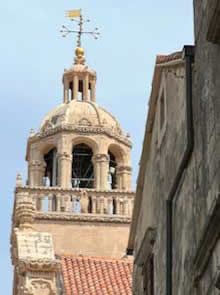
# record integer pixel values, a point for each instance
(166, 58)
(96, 275)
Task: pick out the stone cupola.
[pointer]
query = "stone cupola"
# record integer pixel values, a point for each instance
(79, 81)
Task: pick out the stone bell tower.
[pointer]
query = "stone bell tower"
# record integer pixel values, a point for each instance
(77, 198)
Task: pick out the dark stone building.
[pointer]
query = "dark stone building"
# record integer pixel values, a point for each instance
(175, 231)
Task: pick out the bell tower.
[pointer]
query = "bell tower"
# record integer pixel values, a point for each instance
(77, 198)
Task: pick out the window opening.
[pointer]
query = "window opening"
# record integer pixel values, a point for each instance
(78, 205)
(54, 203)
(51, 170)
(90, 205)
(112, 171)
(82, 167)
(89, 92)
(71, 90)
(45, 203)
(113, 206)
(80, 88)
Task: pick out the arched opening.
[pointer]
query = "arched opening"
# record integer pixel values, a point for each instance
(82, 166)
(51, 171)
(90, 205)
(112, 180)
(113, 206)
(54, 203)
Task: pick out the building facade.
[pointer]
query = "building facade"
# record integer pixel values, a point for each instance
(175, 225)
(71, 219)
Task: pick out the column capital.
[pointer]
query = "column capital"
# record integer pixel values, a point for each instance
(101, 158)
(64, 156)
(122, 169)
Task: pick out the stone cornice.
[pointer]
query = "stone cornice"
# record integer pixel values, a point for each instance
(38, 265)
(62, 216)
(80, 130)
(57, 189)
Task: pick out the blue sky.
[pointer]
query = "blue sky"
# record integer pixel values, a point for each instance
(34, 55)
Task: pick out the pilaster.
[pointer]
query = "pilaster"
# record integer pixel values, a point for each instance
(36, 172)
(101, 162)
(64, 169)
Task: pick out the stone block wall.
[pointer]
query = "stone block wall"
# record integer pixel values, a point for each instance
(196, 252)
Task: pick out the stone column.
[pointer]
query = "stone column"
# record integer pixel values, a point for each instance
(93, 92)
(101, 162)
(85, 87)
(36, 172)
(124, 177)
(94, 204)
(102, 208)
(75, 87)
(50, 201)
(64, 169)
(65, 91)
(117, 202)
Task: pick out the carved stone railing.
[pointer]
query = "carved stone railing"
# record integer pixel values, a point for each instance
(77, 201)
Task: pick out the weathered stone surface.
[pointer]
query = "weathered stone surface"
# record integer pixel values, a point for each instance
(36, 245)
(200, 181)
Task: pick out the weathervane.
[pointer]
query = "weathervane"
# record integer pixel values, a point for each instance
(72, 14)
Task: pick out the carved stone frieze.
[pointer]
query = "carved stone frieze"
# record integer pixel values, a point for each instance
(56, 189)
(38, 265)
(88, 130)
(39, 287)
(61, 216)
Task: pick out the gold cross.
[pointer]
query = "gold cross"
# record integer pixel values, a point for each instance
(72, 14)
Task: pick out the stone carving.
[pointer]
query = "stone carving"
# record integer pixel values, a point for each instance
(36, 245)
(47, 125)
(84, 218)
(18, 180)
(80, 130)
(101, 157)
(39, 286)
(39, 265)
(24, 210)
(84, 122)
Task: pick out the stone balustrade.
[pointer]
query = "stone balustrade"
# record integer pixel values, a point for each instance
(80, 201)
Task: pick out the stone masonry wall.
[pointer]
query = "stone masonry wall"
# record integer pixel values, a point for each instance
(200, 182)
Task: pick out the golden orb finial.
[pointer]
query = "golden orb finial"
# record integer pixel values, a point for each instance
(79, 52)
(79, 58)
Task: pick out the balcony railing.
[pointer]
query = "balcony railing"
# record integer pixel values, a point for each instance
(80, 201)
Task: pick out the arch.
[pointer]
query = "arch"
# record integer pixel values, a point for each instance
(118, 152)
(82, 166)
(51, 169)
(88, 141)
(45, 148)
(112, 180)
(116, 158)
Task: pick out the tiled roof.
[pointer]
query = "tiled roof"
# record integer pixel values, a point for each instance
(166, 58)
(84, 275)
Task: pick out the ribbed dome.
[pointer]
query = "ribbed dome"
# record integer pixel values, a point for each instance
(80, 113)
